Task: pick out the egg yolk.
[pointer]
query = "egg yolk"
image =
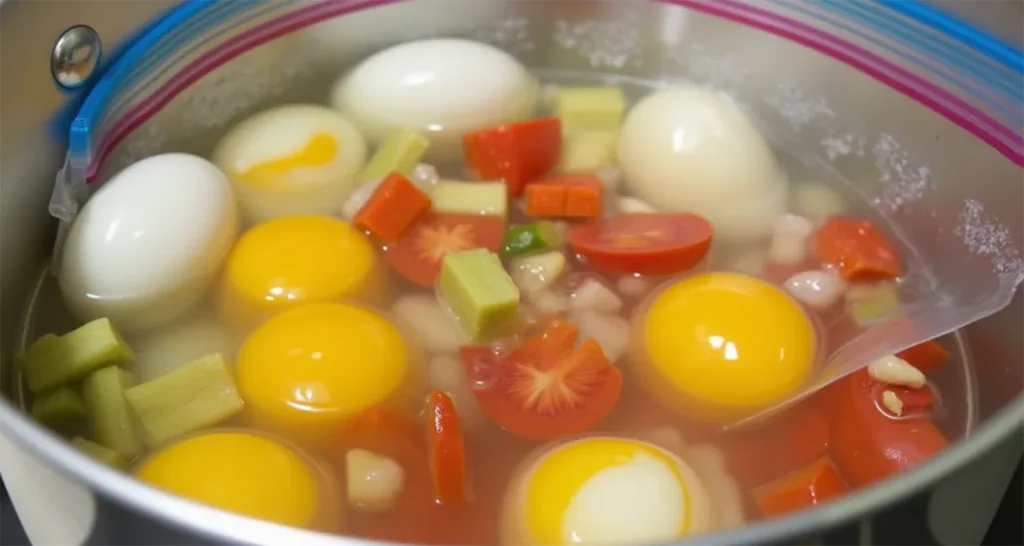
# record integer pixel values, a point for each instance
(241, 472)
(294, 260)
(597, 490)
(722, 345)
(305, 371)
(319, 151)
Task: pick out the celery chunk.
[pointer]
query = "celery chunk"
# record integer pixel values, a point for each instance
(53, 361)
(589, 108)
(99, 452)
(479, 291)
(59, 409)
(485, 198)
(399, 152)
(587, 151)
(109, 416)
(197, 395)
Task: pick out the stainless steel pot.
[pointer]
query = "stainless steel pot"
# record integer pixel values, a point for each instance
(812, 104)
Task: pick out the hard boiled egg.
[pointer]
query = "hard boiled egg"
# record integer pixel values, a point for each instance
(306, 371)
(720, 346)
(693, 150)
(442, 87)
(295, 260)
(293, 159)
(145, 248)
(247, 473)
(604, 490)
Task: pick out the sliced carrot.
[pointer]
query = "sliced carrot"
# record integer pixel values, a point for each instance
(858, 248)
(925, 356)
(446, 452)
(394, 206)
(811, 485)
(545, 201)
(565, 197)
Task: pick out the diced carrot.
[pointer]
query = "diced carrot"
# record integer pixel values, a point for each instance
(858, 248)
(518, 153)
(394, 206)
(545, 201)
(565, 197)
(811, 485)
(925, 356)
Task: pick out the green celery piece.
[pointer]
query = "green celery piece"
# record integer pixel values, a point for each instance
(531, 239)
(589, 108)
(59, 409)
(197, 395)
(112, 424)
(53, 361)
(869, 304)
(479, 292)
(99, 452)
(587, 151)
(400, 151)
(484, 198)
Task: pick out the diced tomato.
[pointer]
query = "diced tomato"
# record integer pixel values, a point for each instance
(418, 254)
(545, 388)
(445, 449)
(517, 153)
(814, 484)
(859, 249)
(925, 356)
(866, 443)
(778, 447)
(648, 244)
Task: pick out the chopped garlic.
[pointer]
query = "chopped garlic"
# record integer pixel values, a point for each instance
(550, 303)
(892, 403)
(789, 239)
(818, 289)
(374, 481)
(593, 295)
(611, 332)
(895, 371)
(533, 274)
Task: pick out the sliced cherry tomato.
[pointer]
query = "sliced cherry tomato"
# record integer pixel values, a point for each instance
(517, 153)
(778, 447)
(445, 450)
(858, 249)
(866, 443)
(418, 254)
(545, 388)
(811, 485)
(648, 244)
(925, 356)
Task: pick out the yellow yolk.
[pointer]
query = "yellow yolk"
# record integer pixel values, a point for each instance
(606, 490)
(305, 371)
(242, 472)
(319, 151)
(721, 345)
(295, 260)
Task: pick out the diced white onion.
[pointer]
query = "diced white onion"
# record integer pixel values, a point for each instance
(634, 287)
(893, 370)
(550, 303)
(430, 326)
(424, 176)
(709, 463)
(593, 295)
(817, 289)
(789, 239)
(892, 403)
(539, 272)
(611, 332)
(630, 205)
(374, 481)
(817, 202)
(448, 374)
(359, 197)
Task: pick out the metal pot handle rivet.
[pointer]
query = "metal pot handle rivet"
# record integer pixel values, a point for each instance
(75, 56)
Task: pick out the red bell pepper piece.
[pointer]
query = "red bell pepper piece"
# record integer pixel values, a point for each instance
(811, 485)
